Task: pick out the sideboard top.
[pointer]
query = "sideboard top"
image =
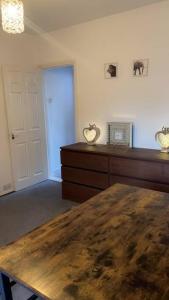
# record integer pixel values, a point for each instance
(133, 153)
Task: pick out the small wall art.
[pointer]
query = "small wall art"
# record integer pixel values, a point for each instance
(140, 67)
(120, 134)
(110, 70)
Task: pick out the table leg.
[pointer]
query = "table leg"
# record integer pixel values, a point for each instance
(5, 287)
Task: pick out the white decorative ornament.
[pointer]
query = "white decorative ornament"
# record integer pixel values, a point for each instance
(91, 134)
(12, 16)
(162, 137)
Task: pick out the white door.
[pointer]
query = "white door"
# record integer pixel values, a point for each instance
(26, 126)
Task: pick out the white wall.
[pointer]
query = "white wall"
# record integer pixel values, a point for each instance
(59, 100)
(141, 33)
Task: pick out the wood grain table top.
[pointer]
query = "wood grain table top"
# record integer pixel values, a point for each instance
(113, 247)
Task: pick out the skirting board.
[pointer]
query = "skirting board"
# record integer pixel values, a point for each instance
(58, 179)
(6, 192)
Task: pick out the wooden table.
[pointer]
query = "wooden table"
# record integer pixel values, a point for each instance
(113, 247)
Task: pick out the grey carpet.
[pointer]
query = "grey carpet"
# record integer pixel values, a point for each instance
(22, 211)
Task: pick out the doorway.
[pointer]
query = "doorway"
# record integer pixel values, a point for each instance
(60, 114)
(25, 115)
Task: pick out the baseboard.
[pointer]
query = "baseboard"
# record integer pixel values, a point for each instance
(58, 179)
(6, 192)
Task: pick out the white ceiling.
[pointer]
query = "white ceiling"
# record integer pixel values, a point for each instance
(50, 15)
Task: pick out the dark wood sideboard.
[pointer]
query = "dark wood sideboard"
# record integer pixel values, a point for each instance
(88, 170)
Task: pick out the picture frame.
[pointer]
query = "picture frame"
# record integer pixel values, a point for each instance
(120, 134)
(140, 67)
(110, 70)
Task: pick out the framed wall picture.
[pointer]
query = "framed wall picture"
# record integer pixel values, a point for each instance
(110, 70)
(120, 134)
(140, 67)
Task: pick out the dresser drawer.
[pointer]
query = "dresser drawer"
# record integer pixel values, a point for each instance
(146, 170)
(89, 178)
(139, 183)
(84, 160)
(77, 193)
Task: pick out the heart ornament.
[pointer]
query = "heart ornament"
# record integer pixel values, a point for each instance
(91, 134)
(162, 137)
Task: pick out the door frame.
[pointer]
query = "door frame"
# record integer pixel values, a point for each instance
(2, 70)
(24, 68)
(55, 65)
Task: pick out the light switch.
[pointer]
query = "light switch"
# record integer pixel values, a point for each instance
(50, 100)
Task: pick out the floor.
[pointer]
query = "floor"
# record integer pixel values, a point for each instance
(23, 211)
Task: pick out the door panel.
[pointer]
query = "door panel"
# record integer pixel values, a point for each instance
(36, 158)
(34, 110)
(17, 112)
(32, 82)
(15, 82)
(22, 159)
(26, 126)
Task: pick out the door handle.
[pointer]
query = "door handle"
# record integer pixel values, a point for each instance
(13, 136)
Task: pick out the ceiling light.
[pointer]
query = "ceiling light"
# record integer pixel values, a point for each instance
(12, 16)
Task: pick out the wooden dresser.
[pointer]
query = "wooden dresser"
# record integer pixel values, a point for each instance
(87, 170)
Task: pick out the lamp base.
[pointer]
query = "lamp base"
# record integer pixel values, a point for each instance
(165, 150)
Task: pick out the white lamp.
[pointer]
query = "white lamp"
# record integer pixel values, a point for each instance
(91, 134)
(162, 137)
(12, 16)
